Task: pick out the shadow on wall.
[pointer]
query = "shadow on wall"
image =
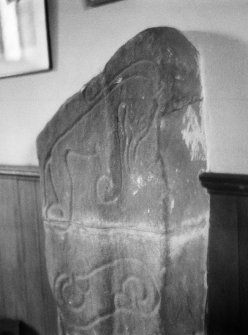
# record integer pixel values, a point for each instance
(52, 13)
(15, 327)
(225, 83)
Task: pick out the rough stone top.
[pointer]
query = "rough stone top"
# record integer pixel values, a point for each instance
(165, 47)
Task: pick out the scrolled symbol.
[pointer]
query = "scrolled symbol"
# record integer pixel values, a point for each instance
(133, 292)
(70, 291)
(85, 301)
(137, 296)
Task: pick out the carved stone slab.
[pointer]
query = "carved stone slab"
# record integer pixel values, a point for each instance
(124, 214)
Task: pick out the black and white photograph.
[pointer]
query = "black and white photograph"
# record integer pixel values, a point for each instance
(23, 37)
(123, 167)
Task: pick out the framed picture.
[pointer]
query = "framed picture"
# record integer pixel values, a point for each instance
(24, 46)
(94, 3)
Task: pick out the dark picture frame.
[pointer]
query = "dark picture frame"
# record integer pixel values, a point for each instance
(24, 38)
(95, 3)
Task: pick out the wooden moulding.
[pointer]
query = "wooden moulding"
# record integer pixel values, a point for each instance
(15, 171)
(225, 183)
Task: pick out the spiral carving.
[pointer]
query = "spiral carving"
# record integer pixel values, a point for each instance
(71, 291)
(84, 303)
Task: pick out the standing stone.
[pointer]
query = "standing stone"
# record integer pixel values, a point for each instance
(124, 214)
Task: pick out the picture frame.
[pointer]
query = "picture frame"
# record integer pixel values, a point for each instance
(24, 39)
(95, 3)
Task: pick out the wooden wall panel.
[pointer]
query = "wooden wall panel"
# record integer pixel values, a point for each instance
(242, 212)
(223, 267)
(227, 312)
(24, 290)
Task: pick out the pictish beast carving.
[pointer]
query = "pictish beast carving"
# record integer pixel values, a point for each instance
(106, 137)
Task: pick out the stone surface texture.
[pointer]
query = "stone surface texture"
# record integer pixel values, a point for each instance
(126, 219)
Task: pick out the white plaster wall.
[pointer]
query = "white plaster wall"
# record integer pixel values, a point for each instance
(84, 39)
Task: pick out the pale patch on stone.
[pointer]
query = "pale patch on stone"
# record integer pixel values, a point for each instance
(194, 221)
(179, 240)
(193, 135)
(140, 181)
(119, 80)
(172, 205)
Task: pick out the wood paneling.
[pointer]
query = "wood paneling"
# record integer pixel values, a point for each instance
(223, 267)
(24, 290)
(242, 213)
(227, 312)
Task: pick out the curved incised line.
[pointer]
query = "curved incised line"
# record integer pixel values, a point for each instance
(127, 141)
(70, 177)
(106, 91)
(141, 136)
(154, 294)
(126, 156)
(49, 173)
(107, 316)
(103, 230)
